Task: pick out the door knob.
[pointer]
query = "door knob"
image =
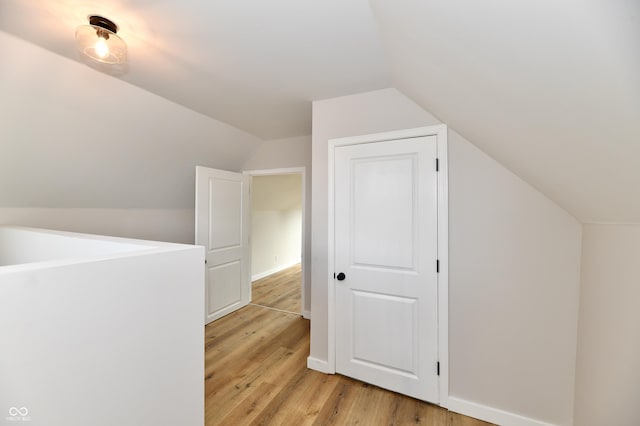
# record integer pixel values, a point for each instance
(341, 276)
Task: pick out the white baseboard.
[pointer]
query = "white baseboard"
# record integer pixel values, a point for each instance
(273, 271)
(318, 365)
(306, 315)
(489, 414)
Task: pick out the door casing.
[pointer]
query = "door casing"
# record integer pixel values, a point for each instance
(302, 171)
(440, 131)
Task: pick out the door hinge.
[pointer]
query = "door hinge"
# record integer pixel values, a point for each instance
(438, 368)
(438, 266)
(437, 165)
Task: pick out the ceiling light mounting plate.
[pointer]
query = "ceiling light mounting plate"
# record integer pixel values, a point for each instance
(102, 22)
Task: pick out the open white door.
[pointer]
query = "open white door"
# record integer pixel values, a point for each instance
(222, 227)
(386, 251)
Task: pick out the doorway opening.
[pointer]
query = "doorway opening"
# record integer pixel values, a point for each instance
(277, 239)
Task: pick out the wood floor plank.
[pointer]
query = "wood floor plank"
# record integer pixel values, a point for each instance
(252, 406)
(338, 406)
(281, 290)
(255, 374)
(300, 400)
(413, 411)
(456, 419)
(241, 387)
(367, 404)
(254, 339)
(264, 350)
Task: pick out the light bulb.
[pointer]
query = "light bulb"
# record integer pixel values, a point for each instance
(99, 41)
(101, 48)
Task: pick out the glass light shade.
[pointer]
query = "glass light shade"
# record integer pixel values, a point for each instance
(101, 45)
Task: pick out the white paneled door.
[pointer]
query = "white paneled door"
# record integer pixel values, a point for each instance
(222, 227)
(386, 286)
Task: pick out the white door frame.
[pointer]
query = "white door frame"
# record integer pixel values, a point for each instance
(289, 171)
(440, 131)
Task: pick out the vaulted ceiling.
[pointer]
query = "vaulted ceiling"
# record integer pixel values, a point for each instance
(551, 89)
(254, 64)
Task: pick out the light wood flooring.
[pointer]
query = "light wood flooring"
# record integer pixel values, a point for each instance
(256, 374)
(279, 291)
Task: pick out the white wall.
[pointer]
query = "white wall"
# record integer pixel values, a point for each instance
(72, 137)
(608, 364)
(281, 153)
(172, 225)
(276, 223)
(290, 153)
(514, 271)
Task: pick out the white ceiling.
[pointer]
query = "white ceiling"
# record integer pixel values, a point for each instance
(551, 89)
(254, 64)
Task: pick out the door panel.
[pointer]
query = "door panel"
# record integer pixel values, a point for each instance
(386, 244)
(384, 211)
(225, 224)
(224, 287)
(222, 226)
(385, 340)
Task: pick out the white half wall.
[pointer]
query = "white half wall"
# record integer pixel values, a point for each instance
(100, 331)
(514, 271)
(276, 223)
(608, 362)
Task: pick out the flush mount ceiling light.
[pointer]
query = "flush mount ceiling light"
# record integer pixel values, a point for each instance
(99, 41)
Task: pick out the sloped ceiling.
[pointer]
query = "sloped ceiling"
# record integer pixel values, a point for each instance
(551, 89)
(254, 64)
